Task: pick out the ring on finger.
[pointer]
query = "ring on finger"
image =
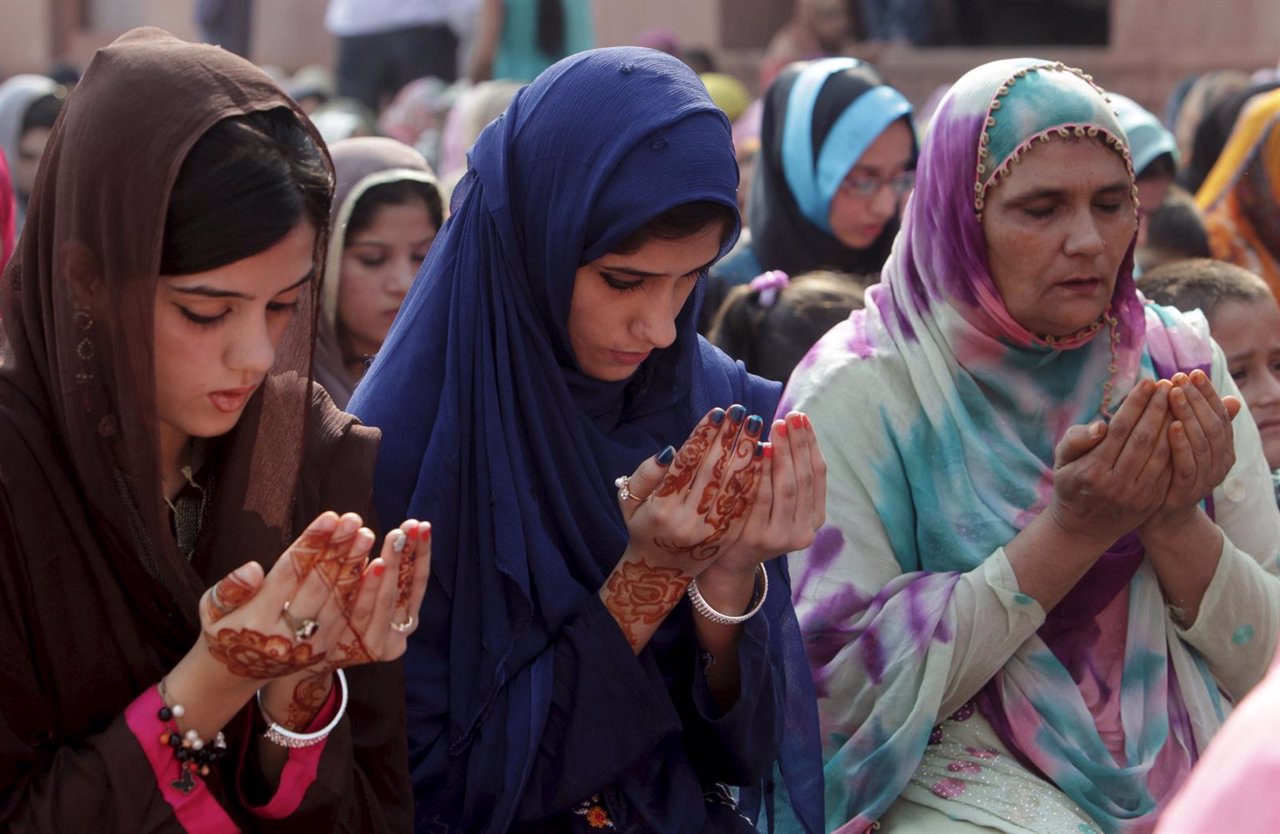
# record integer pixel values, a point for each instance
(405, 627)
(623, 483)
(222, 607)
(303, 627)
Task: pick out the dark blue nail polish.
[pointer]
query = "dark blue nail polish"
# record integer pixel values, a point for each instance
(736, 413)
(666, 456)
(759, 450)
(717, 416)
(754, 424)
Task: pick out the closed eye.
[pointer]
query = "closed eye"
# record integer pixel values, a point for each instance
(621, 286)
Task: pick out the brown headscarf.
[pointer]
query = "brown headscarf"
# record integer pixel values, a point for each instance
(96, 603)
(361, 163)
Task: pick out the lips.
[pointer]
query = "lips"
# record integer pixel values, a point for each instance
(624, 357)
(1269, 425)
(231, 400)
(1081, 285)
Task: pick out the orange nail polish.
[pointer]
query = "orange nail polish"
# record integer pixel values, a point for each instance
(768, 451)
(797, 421)
(807, 424)
(780, 429)
(379, 568)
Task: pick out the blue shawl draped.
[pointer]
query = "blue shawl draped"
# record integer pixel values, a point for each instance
(492, 432)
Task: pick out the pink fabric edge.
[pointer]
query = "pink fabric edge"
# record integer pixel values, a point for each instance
(300, 769)
(198, 812)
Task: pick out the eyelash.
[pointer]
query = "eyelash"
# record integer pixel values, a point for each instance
(632, 286)
(213, 321)
(1043, 213)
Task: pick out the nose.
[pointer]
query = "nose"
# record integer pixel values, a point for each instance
(1268, 389)
(1084, 236)
(654, 319)
(399, 280)
(884, 203)
(251, 350)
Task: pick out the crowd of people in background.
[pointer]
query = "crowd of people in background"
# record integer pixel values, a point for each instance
(501, 433)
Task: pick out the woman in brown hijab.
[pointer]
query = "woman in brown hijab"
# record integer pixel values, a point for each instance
(159, 433)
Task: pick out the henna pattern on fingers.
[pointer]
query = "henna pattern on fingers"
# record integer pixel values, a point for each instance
(228, 594)
(307, 549)
(252, 654)
(308, 697)
(722, 505)
(642, 594)
(687, 461)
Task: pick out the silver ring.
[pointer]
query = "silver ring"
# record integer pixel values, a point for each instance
(222, 607)
(303, 627)
(403, 628)
(623, 483)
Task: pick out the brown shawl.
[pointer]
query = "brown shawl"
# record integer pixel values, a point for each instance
(96, 604)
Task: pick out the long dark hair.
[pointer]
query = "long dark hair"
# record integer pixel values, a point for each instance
(244, 186)
(396, 193)
(551, 34)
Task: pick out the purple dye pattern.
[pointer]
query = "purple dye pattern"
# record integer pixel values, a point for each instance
(948, 788)
(826, 544)
(964, 713)
(921, 628)
(962, 766)
(935, 737)
(982, 752)
(872, 654)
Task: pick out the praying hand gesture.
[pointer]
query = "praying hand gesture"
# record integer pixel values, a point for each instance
(714, 511)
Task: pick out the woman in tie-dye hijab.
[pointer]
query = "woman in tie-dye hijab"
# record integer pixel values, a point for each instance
(1049, 564)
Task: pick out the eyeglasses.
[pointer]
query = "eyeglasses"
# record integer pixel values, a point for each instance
(866, 186)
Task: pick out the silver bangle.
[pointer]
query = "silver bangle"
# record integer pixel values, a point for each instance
(285, 737)
(704, 608)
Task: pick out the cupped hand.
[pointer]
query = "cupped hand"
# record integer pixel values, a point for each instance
(791, 502)
(1110, 479)
(342, 611)
(1201, 442)
(691, 511)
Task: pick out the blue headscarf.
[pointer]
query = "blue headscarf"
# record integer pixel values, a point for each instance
(492, 431)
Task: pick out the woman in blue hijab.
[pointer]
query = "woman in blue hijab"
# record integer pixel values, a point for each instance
(560, 679)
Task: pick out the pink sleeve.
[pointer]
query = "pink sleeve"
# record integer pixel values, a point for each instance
(1233, 787)
(196, 810)
(300, 768)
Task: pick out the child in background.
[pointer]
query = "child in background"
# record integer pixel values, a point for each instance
(1175, 232)
(771, 323)
(1244, 319)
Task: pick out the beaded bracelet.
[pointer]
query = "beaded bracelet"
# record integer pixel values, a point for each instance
(193, 754)
(283, 736)
(704, 608)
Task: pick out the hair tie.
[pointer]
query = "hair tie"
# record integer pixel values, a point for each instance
(768, 284)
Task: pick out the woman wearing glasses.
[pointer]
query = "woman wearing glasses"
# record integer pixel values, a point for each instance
(836, 160)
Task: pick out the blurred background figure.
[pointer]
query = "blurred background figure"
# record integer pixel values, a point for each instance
(387, 209)
(1175, 232)
(7, 211)
(517, 39)
(417, 116)
(1240, 197)
(385, 44)
(1155, 157)
(311, 87)
(29, 105)
(226, 23)
(1212, 130)
(343, 118)
(836, 161)
(771, 323)
(817, 29)
(474, 108)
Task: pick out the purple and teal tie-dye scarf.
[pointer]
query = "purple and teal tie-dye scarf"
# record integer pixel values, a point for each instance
(968, 462)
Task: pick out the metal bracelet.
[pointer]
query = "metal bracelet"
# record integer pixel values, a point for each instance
(283, 736)
(704, 608)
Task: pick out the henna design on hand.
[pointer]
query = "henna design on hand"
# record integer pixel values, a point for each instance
(232, 592)
(308, 548)
(308, 697)
(687, 462)
(642, 594)
(722, 503)
(252, 654)
(404, 577)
